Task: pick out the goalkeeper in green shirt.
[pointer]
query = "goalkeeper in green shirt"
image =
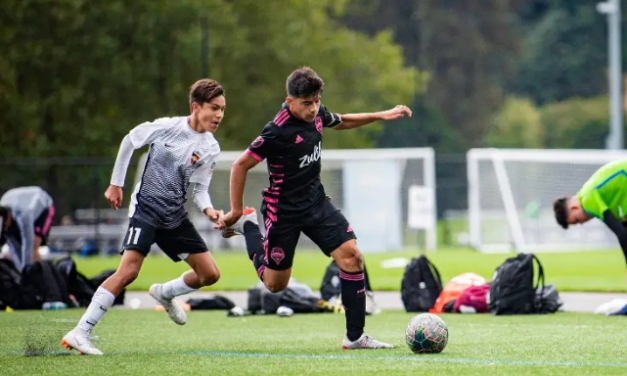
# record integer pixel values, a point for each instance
(603, 196)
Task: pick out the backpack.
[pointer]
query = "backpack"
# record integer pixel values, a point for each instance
(549, 298)
(421, 285)
(331, 286)
(9, 284)
(453, 289)
(41, 283)
(512, 291)
(474, 299)
(297, 296)
(79, 286)
(214, 302)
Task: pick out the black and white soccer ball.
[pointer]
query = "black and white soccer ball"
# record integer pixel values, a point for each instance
(426, 333)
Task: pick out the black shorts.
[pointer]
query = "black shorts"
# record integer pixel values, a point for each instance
(43, 223)
(177, 243)
(325, 225)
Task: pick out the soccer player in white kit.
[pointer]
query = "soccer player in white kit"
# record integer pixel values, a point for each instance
(183, 150)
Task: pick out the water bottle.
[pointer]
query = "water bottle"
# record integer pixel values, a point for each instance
(54, 306)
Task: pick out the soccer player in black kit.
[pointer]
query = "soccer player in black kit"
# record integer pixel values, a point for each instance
(296, 202)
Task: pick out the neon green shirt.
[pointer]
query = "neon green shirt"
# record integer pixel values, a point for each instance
(606, 190)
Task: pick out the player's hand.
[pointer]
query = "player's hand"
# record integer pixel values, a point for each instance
(396, 113)
(214, 216)
(229, 219)
(114, 196)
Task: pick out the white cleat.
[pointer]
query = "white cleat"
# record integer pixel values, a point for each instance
(365, 342)
(248, 215)
(80, 341)
(171, 306)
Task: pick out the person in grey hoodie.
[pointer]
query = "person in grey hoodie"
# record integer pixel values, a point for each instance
(26, 214)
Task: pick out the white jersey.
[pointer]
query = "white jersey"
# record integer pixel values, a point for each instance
(178, 156)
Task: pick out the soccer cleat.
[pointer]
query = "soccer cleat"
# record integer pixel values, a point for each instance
(364, 342)
(80, 341)
(249, 214)
(171, 306)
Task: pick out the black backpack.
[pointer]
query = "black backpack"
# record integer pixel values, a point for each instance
(550, 301)
(42, 282)
(215, 302)
(81, 287)
(421, 285)
(9, 284)
(512, 291)
(331, 286)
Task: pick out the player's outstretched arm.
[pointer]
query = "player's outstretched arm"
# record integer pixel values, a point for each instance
(618, 229)
(350, 121)
(239, 171)
(114, 192)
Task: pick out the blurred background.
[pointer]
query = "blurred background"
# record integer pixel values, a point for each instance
(77, 75)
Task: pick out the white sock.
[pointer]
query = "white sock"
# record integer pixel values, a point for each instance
(100, 304)
(175, 287)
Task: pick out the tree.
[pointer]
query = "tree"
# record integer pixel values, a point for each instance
(576, 123)
(76, 75)
(564, 55)
(517, 125)
(467, 47)
(84, 73)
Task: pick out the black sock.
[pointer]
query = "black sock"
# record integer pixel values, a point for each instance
(253, 238)
(354, 301)
(254, 247)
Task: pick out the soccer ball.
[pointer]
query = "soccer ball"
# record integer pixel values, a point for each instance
(426, 333)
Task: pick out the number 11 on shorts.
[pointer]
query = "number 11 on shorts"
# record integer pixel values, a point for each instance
(133, 235)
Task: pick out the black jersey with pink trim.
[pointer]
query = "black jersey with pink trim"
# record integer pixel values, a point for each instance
(292, 149)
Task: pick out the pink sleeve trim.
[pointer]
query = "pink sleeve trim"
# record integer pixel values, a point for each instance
(252, 154)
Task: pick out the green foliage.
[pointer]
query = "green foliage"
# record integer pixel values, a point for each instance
(576, 123)
(564, 55)
(517, 125)
(469, 49)
(426, 128)
(75, 75)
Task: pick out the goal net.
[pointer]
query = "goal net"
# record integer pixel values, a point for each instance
(511, 193)
(387, 195)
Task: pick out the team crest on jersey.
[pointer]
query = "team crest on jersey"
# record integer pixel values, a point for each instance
(319, 124)
(195, 157)
(277, 254)
(258, 142)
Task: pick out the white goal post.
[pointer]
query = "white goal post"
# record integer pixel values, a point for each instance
(387, 195)
(511, 194)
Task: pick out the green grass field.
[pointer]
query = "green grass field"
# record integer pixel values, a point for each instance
(602, 271)
(147, 343)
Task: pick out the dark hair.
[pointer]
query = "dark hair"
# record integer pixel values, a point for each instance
(560, 207)
(303, 83)
(4, 213)
(203, 91)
